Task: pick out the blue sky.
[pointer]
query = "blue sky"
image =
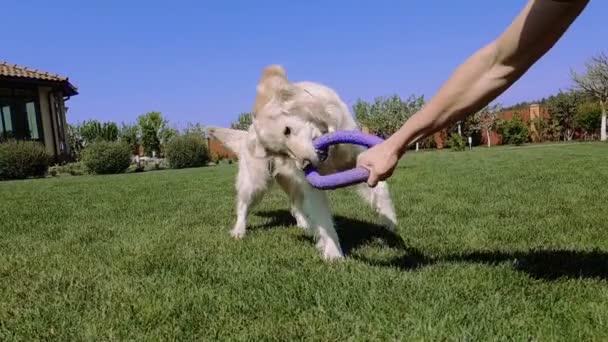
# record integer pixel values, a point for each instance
(199, 61)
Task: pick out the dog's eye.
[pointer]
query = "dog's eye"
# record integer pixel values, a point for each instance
(287, 131)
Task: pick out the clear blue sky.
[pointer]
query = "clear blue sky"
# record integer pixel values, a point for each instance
(199, 61)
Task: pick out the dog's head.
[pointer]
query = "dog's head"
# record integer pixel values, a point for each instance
(283, 118)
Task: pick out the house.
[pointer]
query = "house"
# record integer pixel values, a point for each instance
(528, 115)
(32, 107)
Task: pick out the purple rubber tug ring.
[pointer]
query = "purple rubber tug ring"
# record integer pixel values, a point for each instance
(344, 178)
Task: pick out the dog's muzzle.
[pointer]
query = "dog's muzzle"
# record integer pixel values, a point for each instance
(322, 154)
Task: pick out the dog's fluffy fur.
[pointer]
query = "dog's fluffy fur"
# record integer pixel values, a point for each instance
(287, 117)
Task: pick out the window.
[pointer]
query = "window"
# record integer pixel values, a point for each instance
(32, 120)
(20, 114)
(7, 120)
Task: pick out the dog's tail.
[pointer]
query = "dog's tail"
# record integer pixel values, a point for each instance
(231, 138)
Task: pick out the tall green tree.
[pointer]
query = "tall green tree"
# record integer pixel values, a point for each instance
(471, 127)
(563, 107)
(80, 135)
(387, 114)
(588, 117)
(487, 120)
(75, 140)
(595, 83)
(194, 128)
(129, 134)
(93, 130)
(243, 121)
(154, 131)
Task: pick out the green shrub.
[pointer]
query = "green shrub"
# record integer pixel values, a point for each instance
(188, 150)
(23, 159)
(456, 142)
(515, 131)
(106, 157)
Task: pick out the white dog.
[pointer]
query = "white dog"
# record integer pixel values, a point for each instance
(287, 117)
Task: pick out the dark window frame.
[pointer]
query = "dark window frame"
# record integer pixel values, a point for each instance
(22, 123)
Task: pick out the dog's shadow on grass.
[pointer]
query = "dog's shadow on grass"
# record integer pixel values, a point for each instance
(541, 264)
(353, 233)
(276, 219)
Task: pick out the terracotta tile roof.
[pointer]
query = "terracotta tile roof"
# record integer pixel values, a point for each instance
(16, 71)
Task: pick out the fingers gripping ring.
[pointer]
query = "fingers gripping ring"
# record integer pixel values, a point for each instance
(344, 178)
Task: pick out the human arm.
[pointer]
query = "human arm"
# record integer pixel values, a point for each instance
(479, 80)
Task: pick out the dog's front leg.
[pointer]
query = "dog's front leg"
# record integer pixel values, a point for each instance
(290, 187)
(316, 209)
(246, 200)
(252, 181)
(312, 208)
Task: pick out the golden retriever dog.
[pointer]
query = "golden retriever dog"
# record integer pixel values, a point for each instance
(287, 117)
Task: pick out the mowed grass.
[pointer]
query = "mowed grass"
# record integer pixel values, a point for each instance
(492, 244)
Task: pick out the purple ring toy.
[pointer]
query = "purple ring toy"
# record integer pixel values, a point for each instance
(344, 178)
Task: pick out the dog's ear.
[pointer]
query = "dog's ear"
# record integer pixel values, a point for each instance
(253, 145)
(273, 84)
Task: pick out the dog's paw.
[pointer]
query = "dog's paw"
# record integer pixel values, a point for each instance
(330, 251)
(332, 255)
(301, 220)
(237, 234)
(303, 224)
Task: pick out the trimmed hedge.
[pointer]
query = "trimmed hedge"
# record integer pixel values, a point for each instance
(23, 159)
(107, 157)
(188, 150)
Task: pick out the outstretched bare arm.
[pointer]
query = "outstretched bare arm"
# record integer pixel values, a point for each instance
(480, 79)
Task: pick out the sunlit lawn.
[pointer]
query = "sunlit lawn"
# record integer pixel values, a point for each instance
(499, 243)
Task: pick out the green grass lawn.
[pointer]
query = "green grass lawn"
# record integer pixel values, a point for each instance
(491, 244)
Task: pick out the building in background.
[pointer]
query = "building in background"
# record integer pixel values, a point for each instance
(32, 107)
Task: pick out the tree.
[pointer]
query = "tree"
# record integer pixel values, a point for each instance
(75, 141)
(541, 127)
(487, 120)
(563, 107)
(154, 131)
(595, 83)
(129, 134)
(83, 134)
(471, 127)
(588, 117)
(194, 128)
(92, 130)
(109, 131)
(387, 114)
(362, 110)
(89, 131)
(243, 122)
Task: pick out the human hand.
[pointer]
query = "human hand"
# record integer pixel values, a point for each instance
(380, 161)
